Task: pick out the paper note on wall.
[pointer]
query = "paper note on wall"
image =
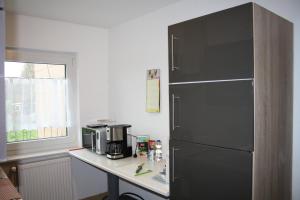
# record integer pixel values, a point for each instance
(153, 91)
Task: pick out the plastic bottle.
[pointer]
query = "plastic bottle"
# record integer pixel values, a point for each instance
(158, 151)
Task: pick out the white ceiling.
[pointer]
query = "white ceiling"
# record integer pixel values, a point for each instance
(101, 13)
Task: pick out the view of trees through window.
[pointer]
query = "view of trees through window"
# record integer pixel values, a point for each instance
(36, 99)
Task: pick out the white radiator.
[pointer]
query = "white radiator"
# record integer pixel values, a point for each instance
(46, 180)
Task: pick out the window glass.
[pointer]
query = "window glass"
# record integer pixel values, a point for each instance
(36, 96)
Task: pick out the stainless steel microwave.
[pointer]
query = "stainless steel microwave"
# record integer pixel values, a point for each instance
(94, 139)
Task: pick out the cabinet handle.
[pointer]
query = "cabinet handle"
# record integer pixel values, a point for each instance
(173, 112)
(173, 163)
(173, 68)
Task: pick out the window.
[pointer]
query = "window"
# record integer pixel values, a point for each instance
(41, 101)
(35, 101)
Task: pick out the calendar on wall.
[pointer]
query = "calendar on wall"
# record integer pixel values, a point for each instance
(153, 91)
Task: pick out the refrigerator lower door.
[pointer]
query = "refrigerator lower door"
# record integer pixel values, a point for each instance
(209, 173)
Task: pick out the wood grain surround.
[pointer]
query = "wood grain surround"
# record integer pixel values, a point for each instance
(273, 99)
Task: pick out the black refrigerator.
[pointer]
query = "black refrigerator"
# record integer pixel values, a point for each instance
(211, 106)
(231, 106)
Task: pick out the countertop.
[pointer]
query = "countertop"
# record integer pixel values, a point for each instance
(125, 169)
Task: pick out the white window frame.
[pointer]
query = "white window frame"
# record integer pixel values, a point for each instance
(57, 143)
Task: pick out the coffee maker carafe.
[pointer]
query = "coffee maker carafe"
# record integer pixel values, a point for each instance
(118, 140)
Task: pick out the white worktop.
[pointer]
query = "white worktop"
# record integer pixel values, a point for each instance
(125, 169)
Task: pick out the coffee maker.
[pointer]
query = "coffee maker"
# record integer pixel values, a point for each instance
(118, 140)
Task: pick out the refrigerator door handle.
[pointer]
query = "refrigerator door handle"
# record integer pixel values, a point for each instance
(173, 112)
(173, 163)
(173, 68)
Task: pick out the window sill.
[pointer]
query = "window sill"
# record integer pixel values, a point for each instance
(36, 155)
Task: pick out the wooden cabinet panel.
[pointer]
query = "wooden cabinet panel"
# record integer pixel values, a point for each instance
(273, 106)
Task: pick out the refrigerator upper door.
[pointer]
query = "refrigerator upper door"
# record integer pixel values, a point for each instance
(213, 47)
(209, 173)
(217, 113)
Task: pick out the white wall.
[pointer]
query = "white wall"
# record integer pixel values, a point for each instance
(142, 43)
(87, 180)
(91, 46)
